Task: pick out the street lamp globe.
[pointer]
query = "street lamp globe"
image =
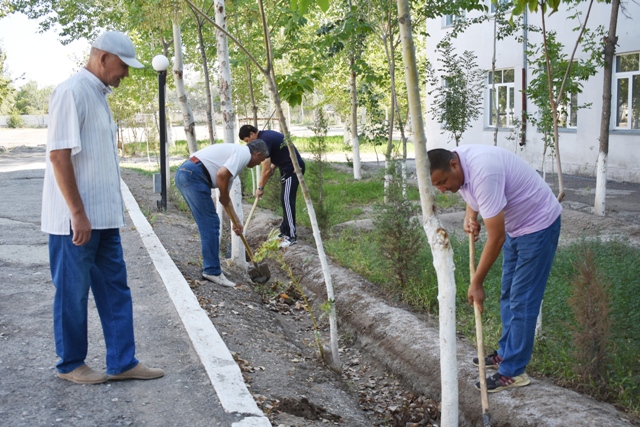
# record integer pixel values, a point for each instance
(160, 63)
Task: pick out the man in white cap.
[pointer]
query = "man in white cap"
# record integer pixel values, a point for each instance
(83, 210)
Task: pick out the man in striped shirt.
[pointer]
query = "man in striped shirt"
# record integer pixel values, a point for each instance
(83, 210)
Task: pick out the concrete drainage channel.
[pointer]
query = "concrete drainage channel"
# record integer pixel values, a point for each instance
(409, 346)
(406, 343)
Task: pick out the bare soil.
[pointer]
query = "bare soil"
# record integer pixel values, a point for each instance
(272, 338)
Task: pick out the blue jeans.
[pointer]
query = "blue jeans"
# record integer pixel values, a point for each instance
(194, 187)
(526, 266)
(98, 265)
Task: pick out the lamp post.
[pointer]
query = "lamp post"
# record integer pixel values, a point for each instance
(160, 63)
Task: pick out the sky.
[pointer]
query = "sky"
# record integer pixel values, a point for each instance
(40, 56)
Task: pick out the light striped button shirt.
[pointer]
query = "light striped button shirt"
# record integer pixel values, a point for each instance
(80, 120)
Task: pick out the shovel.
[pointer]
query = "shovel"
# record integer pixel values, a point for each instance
(259, 273)
(486, 420)
(253, 208)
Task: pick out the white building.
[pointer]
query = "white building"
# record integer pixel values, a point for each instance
(579, 139)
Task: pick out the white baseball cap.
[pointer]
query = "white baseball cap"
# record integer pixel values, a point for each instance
(120, 45)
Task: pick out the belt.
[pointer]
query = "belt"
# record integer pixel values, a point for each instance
(197, 161)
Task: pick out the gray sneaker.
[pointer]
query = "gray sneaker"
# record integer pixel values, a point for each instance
(219, 280)
(498, 382)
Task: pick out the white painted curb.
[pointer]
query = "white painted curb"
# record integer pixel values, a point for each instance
(223, 372)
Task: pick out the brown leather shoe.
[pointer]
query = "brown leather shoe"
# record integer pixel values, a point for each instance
(84, 375)
(138, 372)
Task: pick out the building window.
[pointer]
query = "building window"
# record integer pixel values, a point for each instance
(627, 93)
(450, 20)
(568, 112)
(501, 101)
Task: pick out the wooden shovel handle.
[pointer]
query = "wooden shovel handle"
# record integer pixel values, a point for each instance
(235, 224)
(479, 335)
(253, 208)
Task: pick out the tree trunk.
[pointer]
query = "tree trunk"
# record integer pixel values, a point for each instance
(187, 114)
(554, 111)
(355, 142)
(269, 75)
(493, 76)
(207, 84)
(437, 236)
(224, 81)
(228, 123)
(255, 173)
(603, 155)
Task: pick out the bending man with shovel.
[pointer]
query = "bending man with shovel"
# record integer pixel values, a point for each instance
(215, 166)
(522, 218)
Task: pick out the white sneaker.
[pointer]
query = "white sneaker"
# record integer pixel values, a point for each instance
(219, 280)
(286, 242)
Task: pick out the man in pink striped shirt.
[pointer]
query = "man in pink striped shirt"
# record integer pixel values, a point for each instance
(522, 219)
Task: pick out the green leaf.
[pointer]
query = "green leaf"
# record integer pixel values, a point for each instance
(303, 6)
(323, 4)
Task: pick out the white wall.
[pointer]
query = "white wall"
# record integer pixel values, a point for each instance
(29, 121)
(578, 147)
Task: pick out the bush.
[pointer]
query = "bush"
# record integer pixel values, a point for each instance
(590, 304)
(399, 234)
(15, 120)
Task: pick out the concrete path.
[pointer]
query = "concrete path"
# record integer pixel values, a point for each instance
(202, 386)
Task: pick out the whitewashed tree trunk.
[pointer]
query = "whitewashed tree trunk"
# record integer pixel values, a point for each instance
(187, 114)
(387, 179)
(355, 142)
(403, 166)
(275, 96)
(437, 236)
(228, 122)
(237, 247)
(605, 121)
(538, 332)
(601, 184)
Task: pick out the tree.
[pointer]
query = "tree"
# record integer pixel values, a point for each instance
(554, 70)
(436, 235)
(605, 122)
(346, 35)
(457, 90)
(205, 70)
(178, 76)
(438, 238)
(555, 92)
(269, 75)
(31, 99)
(7, 91)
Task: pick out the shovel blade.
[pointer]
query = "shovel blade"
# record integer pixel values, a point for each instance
(259, 273)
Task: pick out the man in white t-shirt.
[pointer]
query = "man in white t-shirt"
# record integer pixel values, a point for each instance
(83, 210)
(522, 218)
(215, 166)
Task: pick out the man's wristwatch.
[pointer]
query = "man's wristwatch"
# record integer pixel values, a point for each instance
(260, 188)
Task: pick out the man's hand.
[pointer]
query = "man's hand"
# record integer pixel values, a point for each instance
(476, 295)
(259, 193)
(66, 180)
(238, 229)
(81, 229)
